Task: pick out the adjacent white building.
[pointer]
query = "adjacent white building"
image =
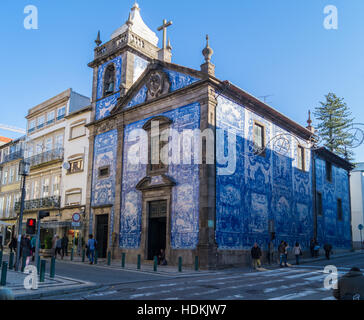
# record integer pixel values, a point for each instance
(357, 203)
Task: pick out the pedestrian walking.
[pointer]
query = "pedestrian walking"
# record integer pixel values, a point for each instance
(316, 249)
(54, 245)
(282, 254)
(350, 286)
(64, 246)
(328, 249)
(91, 246)
(256, 253)
(13, 244)
(58, 248)
(312, 247)
(1, 243)
(26, 248)
(297, 250)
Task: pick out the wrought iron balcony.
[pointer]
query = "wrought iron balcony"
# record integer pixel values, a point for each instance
(12, 156)
(48, 156)
(37, 204)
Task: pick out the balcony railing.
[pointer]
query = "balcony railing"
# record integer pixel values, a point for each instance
(48, 156)
(13, 156)
(37, 204)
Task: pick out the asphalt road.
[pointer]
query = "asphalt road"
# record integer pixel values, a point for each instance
(304, 282)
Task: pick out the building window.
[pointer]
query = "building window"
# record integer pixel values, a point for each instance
(56, 181)
(61, 112)
(46, 188)
(319, 204)
(76, 166)
(301, 158)
(104, 172)
(5, 177)
(339, 209)
(73, 197)
(259, 138)
(59, 142)
(8, 206)
(78, 130)
(48, 144)
(11, 175)
(328, 171)
(50, 117)
(2, 200)
(109, 79)
(36, 190)
(41, 121)
(31, 126)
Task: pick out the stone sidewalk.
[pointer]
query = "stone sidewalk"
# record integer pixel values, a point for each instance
(50, 287)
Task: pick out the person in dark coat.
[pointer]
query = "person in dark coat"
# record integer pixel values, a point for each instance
(328, 249)
(26, 248)
(64, 246)
(1, 243)
(282, 254)
(350, 286)
(256, 253)
(13, 244)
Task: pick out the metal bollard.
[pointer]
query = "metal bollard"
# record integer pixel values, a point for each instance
(42, 270)
(52, 272)
(196, 263)
(96, 257)
(11, 261)
(109, 258)
(139, 262)
(4, 271)
(83, 255)
(1, 257)
(23, 262)
(72, 254)
(38, 265)
(180, 264)
(155, 263)
(123, 260)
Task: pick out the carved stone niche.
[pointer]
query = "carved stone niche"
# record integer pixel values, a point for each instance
(157, 84)
(105, 126)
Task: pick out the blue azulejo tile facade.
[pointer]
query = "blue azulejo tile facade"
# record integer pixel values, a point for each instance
(329, 228)
(185, 194)
(118, 61)
(266, 193)
(103, 188)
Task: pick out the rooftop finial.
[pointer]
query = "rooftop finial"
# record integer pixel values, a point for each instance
(207, 52)
(169, 47)
(98, 40)
(309, 122)
(129, 22)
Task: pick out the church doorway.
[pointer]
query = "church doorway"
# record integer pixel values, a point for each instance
(102, 222)
(157, 228)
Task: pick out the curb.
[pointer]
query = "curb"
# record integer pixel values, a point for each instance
(56, 292)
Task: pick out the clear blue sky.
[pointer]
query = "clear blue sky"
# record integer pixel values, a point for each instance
(266, 47)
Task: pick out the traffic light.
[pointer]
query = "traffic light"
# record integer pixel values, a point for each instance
(31, 226)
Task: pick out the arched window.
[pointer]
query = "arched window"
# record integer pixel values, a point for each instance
(109, 79)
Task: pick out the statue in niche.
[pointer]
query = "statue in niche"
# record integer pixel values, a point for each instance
(157, 85)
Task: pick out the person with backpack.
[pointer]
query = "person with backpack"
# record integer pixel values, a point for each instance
(91, 246)
(297, 251)
(350, 286)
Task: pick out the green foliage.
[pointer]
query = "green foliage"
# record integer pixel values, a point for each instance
(335, 120)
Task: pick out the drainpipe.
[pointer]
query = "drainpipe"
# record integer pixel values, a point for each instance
(313, 165)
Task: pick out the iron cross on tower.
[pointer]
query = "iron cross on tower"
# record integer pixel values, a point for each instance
(164, 28)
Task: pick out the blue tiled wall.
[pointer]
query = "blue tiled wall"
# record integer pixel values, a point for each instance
(185, 195)
(329, 228)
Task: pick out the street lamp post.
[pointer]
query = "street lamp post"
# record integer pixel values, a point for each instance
(23, 171)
